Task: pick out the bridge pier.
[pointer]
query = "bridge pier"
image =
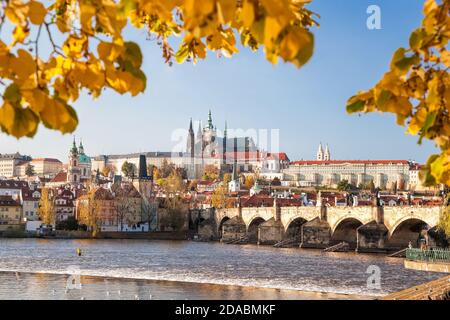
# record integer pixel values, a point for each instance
(270, 232)
(317, 232)
(233, 229)
(372, 237)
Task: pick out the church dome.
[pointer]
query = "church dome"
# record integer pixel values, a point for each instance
(84, 159)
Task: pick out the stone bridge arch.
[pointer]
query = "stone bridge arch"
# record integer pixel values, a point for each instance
(336, 215)
(346, 230)
(289, 214)
(223, 215)
(407, 231)
(293, 229)
(250, 214)
(395, 216)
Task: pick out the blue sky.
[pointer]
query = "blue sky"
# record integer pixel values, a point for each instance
(307, 105)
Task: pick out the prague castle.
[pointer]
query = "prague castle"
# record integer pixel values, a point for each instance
(323, 171)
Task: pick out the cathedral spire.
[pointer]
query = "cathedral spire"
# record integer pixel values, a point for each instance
(74, 149)
(327, 155)
(191, 129)
(210, 123)
(225, 133)
(320, 154)
(81, 148)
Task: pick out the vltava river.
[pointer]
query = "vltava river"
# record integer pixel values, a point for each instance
(190, 270)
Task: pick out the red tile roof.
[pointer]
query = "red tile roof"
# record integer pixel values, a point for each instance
(46, 159)
(280, 156)
(60, 177)
(374, 162)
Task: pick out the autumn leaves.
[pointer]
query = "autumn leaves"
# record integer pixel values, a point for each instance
(417, 88)
(92, 53)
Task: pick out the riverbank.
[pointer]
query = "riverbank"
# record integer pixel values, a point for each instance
(54, 286)
(73, 235)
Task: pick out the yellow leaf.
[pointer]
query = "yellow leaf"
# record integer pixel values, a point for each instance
(433, 99)
(109, 51)
(59, 116)
(74, 46)
(37, 12)
(445, 58)
(417, 120)
(36, 98)
(248, 13)
(272, 29)
(20, 34)
(17, 121)
(23, 65)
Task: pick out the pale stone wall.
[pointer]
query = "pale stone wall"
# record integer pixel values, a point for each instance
(394, 216)
(336, 215)
(249, 214)
(229, 213)
(289, 214)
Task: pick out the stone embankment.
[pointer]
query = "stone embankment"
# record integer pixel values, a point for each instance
(434, 290)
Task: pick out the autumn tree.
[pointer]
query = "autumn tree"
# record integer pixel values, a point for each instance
(89, 52)
(106, 171)
(249, 182)
(226, 179)
(166, 169)
(417, 89)
(210, 172)
(219, 197)
(46, 207)
(89, 211)
(175, 183)
(156, 174)
(123, 207)
(175, 213)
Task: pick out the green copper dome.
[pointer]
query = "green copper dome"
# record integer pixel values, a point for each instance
(84, 159)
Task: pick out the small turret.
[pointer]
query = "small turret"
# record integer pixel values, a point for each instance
(74, 150)
(81, 148)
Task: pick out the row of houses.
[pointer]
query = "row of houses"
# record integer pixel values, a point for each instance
(112, 207)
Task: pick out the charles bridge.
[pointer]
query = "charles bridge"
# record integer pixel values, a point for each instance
(364, 228)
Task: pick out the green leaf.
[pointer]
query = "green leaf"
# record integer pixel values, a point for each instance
(416, 39)
(357, 106)
(429, 122)
(12, 94)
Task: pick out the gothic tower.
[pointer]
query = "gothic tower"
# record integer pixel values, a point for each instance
(224, 145)
(191, 142)
(327, 155)
(320, 155)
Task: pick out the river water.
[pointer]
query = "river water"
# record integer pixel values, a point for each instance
(35, 268)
